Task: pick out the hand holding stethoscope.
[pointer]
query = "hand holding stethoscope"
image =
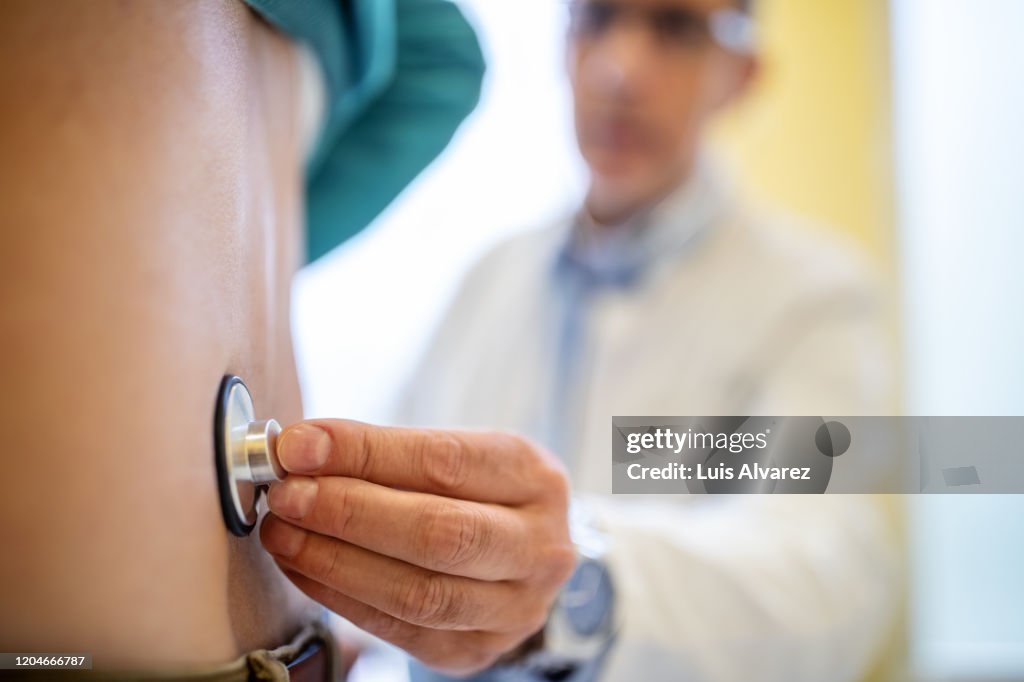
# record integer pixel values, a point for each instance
(452, 545)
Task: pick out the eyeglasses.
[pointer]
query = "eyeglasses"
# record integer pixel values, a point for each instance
(672, 25)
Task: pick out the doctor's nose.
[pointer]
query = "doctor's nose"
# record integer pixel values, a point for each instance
(620, 63)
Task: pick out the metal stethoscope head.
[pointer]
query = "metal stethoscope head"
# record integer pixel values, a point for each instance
(245, 450)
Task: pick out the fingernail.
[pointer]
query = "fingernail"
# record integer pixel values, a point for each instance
(304, 449)
(282, 538)
(293, 497)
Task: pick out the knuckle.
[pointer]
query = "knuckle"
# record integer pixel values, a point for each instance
(472, 535)
(527, 450)
(556, 482)
(454, 658)
(466, 653)
(392, 630)
(444, 461)
(431, 602)
(517, 442)
(536, 618)
(556, 565)
(345, 506)
(452, 537)
(543, 467)
(362, 457)
(563, 563)
(483, 658)
(528, 615)
(475, 658)
(327, 561)
(494, 645)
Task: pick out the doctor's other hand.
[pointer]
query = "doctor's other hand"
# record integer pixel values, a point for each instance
(452, 545)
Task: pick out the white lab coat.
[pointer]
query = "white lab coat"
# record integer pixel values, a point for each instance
(755, 315)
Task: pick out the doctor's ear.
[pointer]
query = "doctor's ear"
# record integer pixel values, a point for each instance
(737, 77)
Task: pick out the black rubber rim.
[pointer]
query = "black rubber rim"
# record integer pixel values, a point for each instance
(236, 525)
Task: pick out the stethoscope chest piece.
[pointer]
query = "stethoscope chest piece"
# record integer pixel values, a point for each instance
(245, 451)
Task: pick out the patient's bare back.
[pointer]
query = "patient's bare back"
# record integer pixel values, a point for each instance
(150, 206)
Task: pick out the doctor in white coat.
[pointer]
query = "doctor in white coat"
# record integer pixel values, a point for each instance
(665, 294)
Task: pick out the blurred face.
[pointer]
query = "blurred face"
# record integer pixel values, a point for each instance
(646, 76)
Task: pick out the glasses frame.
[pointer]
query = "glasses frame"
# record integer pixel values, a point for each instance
(731, 29)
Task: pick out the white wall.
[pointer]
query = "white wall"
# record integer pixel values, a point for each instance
(959, 95)
(363, 314)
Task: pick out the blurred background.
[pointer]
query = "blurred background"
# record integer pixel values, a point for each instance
(897, 122)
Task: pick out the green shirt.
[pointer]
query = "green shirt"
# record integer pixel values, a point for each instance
(400, 76)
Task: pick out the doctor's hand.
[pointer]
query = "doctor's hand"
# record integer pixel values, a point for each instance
(452, 545)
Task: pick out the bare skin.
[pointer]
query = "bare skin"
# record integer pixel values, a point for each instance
(149, 197)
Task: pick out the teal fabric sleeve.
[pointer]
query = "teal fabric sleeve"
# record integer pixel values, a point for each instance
(401, 75)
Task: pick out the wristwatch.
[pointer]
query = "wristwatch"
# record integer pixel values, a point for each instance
(581, 625)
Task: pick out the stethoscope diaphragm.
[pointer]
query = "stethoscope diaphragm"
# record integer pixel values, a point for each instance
(245, 451)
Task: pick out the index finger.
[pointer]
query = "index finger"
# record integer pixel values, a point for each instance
(485, 466)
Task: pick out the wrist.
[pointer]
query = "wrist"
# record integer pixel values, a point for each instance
(581, 624)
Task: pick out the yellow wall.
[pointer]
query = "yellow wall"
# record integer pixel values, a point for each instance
(814, 136)
(815, 133)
